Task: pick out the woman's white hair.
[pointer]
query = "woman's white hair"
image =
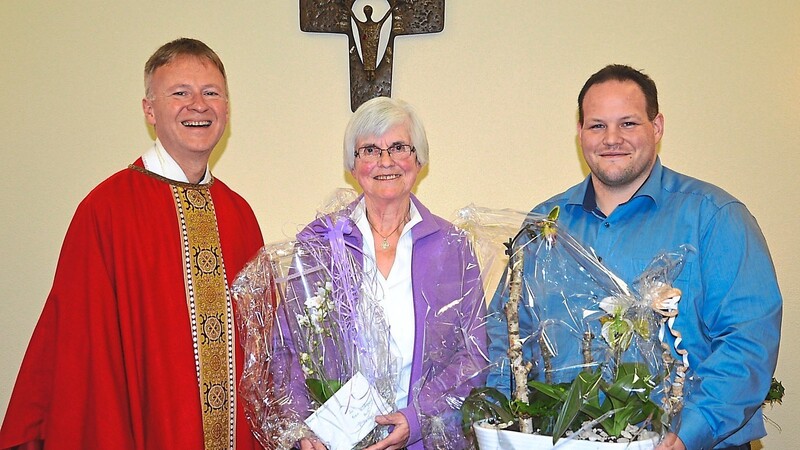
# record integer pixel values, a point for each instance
(377, 116)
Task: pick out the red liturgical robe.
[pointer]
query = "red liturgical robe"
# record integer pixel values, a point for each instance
(111, 362)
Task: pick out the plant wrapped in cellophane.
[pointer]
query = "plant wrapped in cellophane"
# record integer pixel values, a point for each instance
(576, 350)
(315, 314)
(316, 342)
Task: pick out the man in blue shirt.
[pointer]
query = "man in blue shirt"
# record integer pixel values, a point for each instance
(631, 208)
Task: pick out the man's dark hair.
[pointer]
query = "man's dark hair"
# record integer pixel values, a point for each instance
(619, 72)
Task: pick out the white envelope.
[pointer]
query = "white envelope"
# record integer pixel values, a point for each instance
(349, 415)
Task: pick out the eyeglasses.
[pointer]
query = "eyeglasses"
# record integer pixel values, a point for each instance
(397, 152)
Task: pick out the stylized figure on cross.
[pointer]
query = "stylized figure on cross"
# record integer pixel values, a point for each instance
(369, 34)
(371, 73)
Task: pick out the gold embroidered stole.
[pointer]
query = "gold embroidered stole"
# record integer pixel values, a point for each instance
(210, 312)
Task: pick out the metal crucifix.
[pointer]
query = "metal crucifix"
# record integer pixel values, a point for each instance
(371, 72)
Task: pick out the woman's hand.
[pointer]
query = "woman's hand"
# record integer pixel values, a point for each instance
(398, 437)
(311, 444)
(671, 442)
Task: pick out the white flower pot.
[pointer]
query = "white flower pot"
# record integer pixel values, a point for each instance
(490, 438)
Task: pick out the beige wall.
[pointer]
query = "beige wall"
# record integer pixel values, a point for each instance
(496, 89)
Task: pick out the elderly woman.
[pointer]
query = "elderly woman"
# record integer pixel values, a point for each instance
(432, 293)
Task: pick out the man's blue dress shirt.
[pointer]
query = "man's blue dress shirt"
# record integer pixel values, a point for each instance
(730, 310)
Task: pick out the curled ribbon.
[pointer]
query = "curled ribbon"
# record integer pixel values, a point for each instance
(664, 299)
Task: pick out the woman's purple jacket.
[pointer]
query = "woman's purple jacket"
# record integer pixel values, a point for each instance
(449, 356)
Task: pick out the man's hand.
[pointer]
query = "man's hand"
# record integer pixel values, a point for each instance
(398, 437)
(671, 442)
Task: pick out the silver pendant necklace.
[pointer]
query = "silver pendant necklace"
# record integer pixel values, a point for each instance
(385, 244)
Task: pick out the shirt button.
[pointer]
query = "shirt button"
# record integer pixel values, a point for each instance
(606, 224)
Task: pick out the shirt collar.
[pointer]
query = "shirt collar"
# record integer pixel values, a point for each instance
(360, 218)
(586, 196)
(157, 160)
(652, 185)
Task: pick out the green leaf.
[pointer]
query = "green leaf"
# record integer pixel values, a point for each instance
(484, 403)
(555, 391)
(629, 398)
(623, 388)
(542, 410)
(775, 393)
(322, 390)
(553, 214)
(548, 230)
(585, 385)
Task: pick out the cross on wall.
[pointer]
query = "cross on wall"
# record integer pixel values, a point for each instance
(371, 72)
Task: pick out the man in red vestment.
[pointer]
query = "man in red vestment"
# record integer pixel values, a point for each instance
(136, 347)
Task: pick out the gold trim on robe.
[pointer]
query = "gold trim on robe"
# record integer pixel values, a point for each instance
(210, 313)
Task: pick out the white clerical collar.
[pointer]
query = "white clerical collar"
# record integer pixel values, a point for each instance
(158, 161)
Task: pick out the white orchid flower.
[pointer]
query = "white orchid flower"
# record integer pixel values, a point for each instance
(314, 302)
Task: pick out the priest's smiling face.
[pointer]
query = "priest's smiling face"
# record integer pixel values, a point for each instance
(188, 107)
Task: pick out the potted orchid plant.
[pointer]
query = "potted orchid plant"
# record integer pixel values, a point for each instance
(584, 349)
